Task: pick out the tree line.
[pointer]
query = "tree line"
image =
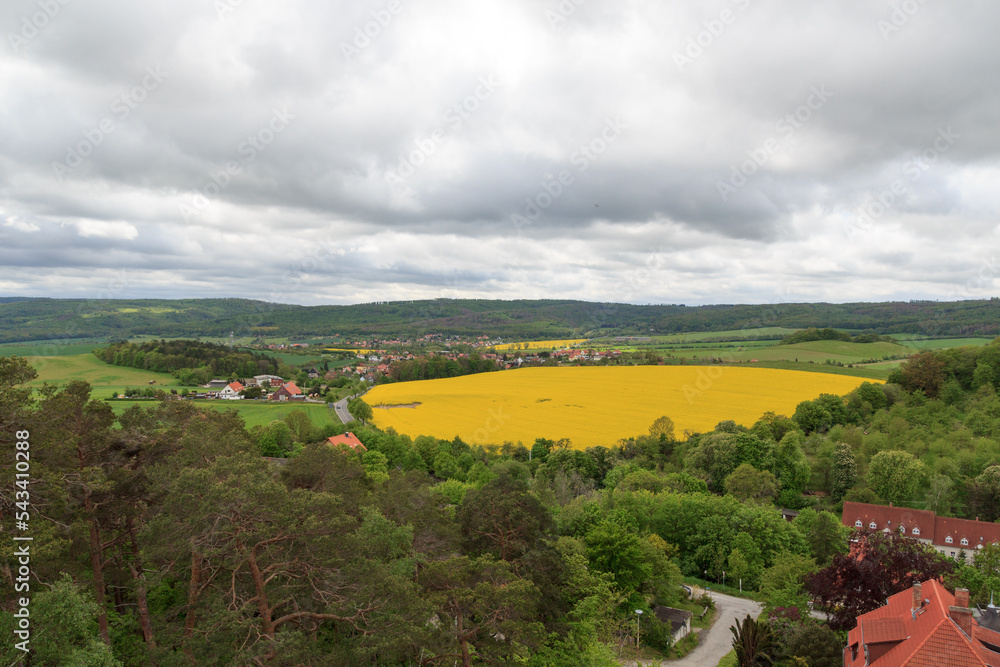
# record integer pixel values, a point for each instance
(813, 333)
(45, 319)
(192, 362)
(437, 366)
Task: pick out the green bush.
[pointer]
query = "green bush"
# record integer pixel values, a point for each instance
(656, 633)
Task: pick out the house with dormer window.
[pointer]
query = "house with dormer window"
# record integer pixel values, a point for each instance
(955, 538)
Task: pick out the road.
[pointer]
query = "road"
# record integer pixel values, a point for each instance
(341, 408)
(717, 640)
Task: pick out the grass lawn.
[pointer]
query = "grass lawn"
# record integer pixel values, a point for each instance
(878, 371)
(920, 344)
(727, 335)
(727, 589)
(817, 351)
(254, 413)
(47, 348)
(104, 378)
(729, 659)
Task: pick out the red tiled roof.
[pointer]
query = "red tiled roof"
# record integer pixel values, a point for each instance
(884, 630)
(931, 527)
(976, 532)
(929, 638)
(236, 386)
(348, 439)
(292, 389)
(886, 516)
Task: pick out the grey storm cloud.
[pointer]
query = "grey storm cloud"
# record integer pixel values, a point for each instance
(729, 151)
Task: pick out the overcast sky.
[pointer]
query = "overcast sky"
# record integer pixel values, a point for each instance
(311, 152)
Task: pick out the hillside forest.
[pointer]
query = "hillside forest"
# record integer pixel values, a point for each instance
(40, 319)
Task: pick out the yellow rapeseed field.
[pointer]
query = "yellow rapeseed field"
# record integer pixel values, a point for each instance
(593, 405)
(539, 345)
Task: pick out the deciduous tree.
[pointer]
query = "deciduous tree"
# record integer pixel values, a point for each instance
(748, 484)
(984, 494)
(662, 428)
(844, 473)
(894, 475)
(877, 566)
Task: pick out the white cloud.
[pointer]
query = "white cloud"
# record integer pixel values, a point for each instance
(448, 232)
(106, 229)
(21, 225)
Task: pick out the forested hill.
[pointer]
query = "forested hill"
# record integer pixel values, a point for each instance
(39, 319)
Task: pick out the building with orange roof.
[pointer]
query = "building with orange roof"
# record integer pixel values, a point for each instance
(951, 537)
(347, 440)
(231, 390)
(924, 626)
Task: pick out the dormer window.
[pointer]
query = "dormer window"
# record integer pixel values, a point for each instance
(948, 540)
(858, 524)
(965, 541)
(916, 531)
(872, 525)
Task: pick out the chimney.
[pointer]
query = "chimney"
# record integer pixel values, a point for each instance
(960, 613)
(918, 598)
(962, 597)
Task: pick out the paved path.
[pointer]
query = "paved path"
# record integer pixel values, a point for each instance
(341, 408)
(716, 641)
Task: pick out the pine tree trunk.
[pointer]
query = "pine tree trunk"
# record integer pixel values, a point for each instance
(466, 660)
(263, 607)
(96, 563)
(140, 587)
(193, 592)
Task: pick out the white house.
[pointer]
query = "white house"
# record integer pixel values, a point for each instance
(231, 391)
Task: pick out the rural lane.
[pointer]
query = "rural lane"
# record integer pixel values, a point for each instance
(341, 409)
(716, 641)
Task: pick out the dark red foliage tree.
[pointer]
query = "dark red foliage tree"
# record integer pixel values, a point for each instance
(877, 566)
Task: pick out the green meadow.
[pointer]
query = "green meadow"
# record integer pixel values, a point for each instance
(104, 378)
(816, 351)
(254, 413)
